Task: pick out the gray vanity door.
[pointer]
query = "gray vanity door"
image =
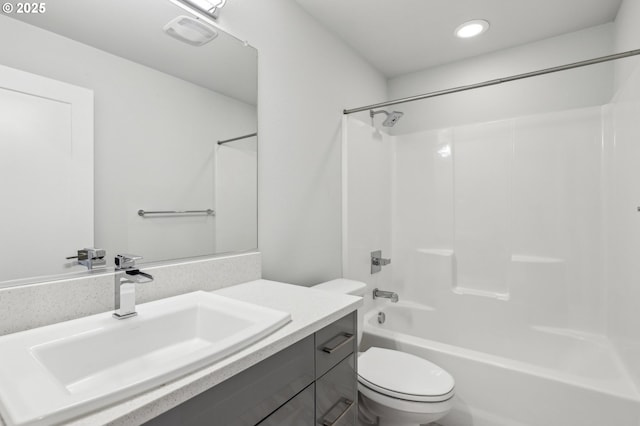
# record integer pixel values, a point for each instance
(299, 411)
(336, 395)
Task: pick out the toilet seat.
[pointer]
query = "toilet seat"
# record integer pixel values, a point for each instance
(403, 376)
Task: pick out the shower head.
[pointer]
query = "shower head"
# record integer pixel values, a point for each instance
(392, 117)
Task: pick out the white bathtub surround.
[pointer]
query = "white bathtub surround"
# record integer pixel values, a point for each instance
(486, 210)
(497, 216)
(36, 305)
(513, 247)
(623, 239)
(497, 232)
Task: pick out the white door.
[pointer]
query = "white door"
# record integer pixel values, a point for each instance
(46, 174)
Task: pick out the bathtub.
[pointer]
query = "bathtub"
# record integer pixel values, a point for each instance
(505, 376)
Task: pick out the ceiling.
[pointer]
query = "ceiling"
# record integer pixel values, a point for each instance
(402, 36)
(134, 30)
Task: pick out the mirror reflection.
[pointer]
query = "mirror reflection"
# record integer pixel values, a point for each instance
(134, 133)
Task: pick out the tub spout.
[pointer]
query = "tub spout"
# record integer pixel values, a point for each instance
(386, 295)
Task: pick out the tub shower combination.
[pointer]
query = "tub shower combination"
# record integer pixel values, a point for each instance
(507, 242)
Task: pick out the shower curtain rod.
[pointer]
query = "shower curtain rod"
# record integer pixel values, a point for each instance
(237, 139)
(497, 81)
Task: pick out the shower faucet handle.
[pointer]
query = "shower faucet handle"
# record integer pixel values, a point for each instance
(377, 261)
(380, 261)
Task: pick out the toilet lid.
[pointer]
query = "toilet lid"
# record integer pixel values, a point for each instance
(404, 376)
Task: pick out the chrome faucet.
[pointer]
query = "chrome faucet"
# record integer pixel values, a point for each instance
(385, 295)
(126, 277)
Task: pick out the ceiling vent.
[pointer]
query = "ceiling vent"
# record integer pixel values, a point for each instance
(191, 31)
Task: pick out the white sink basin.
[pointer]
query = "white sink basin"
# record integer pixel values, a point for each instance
(53, 373)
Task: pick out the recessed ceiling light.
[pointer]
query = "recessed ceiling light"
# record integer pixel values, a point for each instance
(472, 28)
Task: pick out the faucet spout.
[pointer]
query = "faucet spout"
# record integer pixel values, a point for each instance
(386, 295)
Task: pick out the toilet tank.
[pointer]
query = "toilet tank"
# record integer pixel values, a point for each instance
(345, 286)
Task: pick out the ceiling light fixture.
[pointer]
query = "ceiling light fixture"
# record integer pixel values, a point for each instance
(210, 8)
(472, 28)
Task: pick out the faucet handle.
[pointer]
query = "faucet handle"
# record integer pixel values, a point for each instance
(126, 261)
(377, 261)
(90, 257)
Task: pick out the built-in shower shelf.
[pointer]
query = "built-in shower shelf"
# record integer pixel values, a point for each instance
(534, 259)
(481, 293)
(525, 275)
(436, 252)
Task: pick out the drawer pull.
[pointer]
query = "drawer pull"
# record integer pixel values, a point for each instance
(348, 404)
(347, 338)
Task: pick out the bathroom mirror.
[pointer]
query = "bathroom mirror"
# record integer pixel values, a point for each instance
(117, 133)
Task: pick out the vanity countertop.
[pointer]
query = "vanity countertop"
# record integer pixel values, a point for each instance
(310, 311)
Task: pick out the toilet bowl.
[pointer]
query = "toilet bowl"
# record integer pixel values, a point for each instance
(396, 388)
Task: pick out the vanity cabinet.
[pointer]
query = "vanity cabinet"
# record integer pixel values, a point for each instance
(312, 382)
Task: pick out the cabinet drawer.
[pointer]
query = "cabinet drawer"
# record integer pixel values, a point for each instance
(337, 395)
(335, 342)
(299, 411)
(250, 396)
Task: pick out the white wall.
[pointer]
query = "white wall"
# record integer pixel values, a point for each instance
(306, 77)
(623, 219)
(626, 37)
(154, 141)
(569, 89)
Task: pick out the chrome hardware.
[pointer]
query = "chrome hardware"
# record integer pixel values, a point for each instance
(126, 277)
(251, 135)
(90, 257)
(381, 317)
(494, 82)
(348, 404)
(208, 212)
(126, 261)
(346, 338)
(377, 261)
(385, 295)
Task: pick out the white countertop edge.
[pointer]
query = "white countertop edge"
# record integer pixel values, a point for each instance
(146, 406)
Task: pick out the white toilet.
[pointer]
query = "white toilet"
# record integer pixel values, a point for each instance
(398, 388)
